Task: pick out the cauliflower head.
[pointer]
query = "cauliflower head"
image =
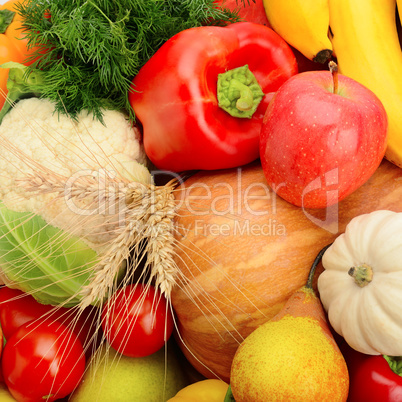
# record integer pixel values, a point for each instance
(35, 138)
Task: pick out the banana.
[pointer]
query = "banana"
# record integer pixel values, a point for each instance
(303, 24)
(365, 41)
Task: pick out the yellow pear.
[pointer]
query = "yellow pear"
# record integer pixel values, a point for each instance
(292, 357)
(5, 395)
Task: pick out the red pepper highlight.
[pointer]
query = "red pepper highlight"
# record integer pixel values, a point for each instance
(175, 95)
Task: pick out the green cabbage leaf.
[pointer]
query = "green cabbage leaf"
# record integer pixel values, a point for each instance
(43, 260)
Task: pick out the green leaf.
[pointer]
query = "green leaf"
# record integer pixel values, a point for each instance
(6, 18)
(91, 50)
(229, 396)
(395, 363)
(42, 259)
(21, 83)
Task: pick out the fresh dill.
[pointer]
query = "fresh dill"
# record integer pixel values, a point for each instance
(90, 50)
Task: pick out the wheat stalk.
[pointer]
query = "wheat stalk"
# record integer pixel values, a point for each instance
(148, 212)
(160, 249)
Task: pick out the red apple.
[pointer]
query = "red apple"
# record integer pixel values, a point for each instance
(249, 10)
(318, 146)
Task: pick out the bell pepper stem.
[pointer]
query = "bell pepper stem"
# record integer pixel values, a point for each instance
(238, 92)
(245, 102)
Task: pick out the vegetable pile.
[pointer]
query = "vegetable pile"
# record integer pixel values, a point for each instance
(168, 173)
(192, 121)
(93, 49)
(34, 209)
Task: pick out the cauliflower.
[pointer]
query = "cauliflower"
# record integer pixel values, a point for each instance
(79, 212)
(35, 138)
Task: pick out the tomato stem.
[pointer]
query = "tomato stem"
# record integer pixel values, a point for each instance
(333, 68)
(395, 363)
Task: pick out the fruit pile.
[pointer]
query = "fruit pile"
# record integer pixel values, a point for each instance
(201, 202)
(288, 126)
(364, 50)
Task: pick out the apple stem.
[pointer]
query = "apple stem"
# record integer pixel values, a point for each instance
(333, 68)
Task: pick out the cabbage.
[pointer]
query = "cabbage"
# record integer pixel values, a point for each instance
(62, 189)
(43, 260)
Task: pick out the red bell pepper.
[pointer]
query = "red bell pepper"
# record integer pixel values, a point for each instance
(373, 378)
(176, 99)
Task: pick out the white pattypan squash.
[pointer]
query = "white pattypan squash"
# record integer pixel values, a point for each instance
(361, 286)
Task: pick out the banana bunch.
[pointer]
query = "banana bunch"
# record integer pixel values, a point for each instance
(303, 24)
(366, 43)
(363, 35)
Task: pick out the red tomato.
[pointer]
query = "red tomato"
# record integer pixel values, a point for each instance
(42, 360)
(17, 308)
(137, 321)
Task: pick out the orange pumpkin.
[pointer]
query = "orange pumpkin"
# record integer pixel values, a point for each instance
(242, 251)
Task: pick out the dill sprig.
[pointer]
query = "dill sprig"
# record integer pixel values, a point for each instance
(90, 50)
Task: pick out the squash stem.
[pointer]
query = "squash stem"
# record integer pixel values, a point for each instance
(362, 274)
(309, 284)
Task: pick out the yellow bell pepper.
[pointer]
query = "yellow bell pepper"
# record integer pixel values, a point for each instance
(202, 391)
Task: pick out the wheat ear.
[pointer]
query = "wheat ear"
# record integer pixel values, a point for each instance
(148, 212)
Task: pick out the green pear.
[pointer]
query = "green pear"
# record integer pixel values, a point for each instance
(114, 377)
